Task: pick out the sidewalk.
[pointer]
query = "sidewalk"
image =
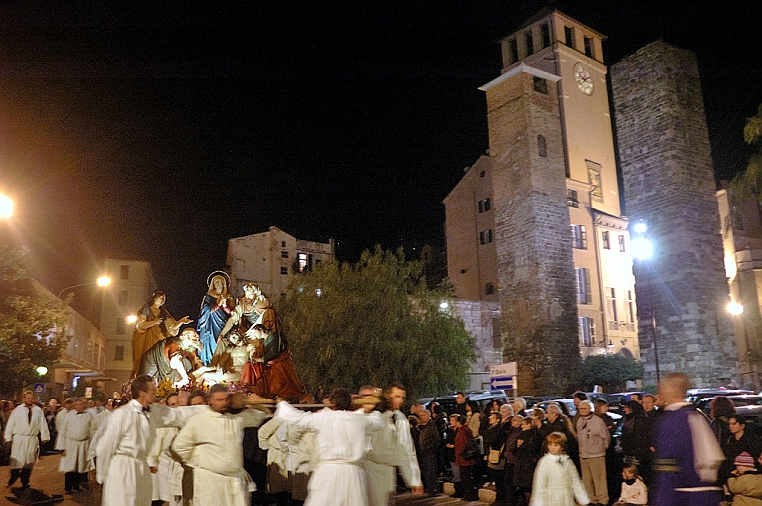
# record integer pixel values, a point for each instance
(47, 479)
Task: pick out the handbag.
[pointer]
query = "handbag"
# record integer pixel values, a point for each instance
(495, 455)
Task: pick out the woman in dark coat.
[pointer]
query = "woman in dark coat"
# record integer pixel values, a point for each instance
(494, 439)
(527, 449)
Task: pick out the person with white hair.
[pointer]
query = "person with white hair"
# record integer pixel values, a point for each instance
(593, 439)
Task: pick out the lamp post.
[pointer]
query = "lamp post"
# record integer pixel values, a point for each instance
(736, 309)
(101, 281)
(642, 250)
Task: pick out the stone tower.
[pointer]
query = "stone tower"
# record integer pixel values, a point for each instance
(666, 166)
(534, 255)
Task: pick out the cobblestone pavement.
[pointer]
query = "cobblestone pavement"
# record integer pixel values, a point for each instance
(46, 479)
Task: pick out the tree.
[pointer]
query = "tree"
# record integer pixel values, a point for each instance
(28, 321)
(374, 322)
(749, 182)
(612, 372)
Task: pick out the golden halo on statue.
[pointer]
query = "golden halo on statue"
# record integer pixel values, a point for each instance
(222, 273)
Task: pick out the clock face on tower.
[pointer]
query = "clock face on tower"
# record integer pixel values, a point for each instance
(584, 79)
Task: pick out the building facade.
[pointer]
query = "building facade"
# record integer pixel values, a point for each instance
(669, 184)
(535, 223)
(83, 358)
(271, 259)
(132, 283)
(741, 229)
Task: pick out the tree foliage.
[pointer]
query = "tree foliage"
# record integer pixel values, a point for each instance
(749, 183)
(28, 321)
(609, 371)
(374, 322)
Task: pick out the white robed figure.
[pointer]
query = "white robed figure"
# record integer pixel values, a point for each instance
(212, 444)
(123, 444)
(392, 448)
(26, 426)
(78, 429)
(342, 435)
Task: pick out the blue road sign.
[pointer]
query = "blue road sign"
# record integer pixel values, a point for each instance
(501, 382)
(39, 388)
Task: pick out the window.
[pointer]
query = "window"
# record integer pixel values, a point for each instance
(545, 32)
(542, 147)
(529, 42)
(485, 237)
(489, 289)
(119, 353)
(513, 50)
(540, 85)
(123, 297)
(120, 326)
(611, 305)
(588, 47)
(284, 270)
(283, 244)
(284, 254)
(569, 34)
(124, 272)
(606, 241)
(584, 295)
(579, 236)
(621, 243)
(571, 198)
(586, 331)
(594, 178)
(629, 307)
(485, 205)
(302, 262)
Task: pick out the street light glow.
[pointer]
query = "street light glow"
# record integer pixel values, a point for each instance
(642, 248)
(640, 227)
(42, 370)
(131, 319)
(104, 281)
(6, 206)
(735, 308)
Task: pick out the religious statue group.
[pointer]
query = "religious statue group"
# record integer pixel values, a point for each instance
(235, 342)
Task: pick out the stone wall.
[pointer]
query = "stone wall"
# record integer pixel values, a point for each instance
(668, 177)
(536, 282)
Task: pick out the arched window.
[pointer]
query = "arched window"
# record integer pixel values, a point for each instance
(542, 147)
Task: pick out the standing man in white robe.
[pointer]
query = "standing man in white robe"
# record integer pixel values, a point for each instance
(25, 426)
(123, 448)
(68, 405)
(212, 444)
(391, 447)
(168, 472)
(78, 429)
(342, 434)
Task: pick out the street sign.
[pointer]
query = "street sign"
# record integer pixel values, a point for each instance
(39, 388)
(497, 370)
(501, 382)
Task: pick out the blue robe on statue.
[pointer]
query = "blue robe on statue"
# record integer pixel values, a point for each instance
(211, 320)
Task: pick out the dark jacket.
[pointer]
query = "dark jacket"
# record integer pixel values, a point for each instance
(527, 450)
(463, 436)
(428, 440)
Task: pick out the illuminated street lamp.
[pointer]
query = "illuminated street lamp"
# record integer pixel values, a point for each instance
(643, 251)
(6, 206)
(101, 281)
(42, 370)
(735, 308)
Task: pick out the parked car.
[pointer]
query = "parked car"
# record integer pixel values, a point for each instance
(481, 397)
(696, 394)
(566, 405)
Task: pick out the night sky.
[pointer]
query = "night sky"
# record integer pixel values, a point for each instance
(159, 134)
